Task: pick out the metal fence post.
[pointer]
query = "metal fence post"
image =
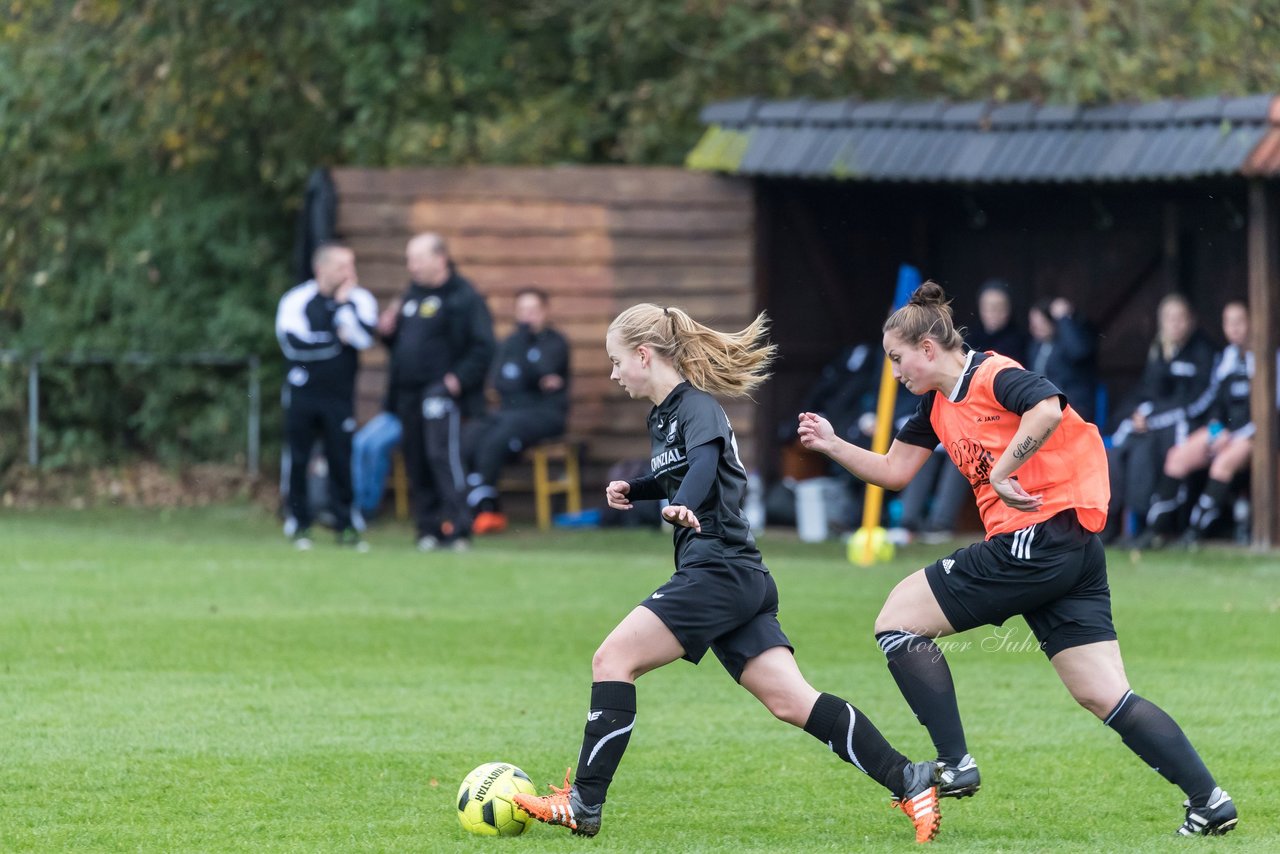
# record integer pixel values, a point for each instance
(33, 411)
(255, 415)
(33, 361)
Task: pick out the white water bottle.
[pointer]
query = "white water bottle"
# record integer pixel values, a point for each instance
(1240, 512)
(811, 510)
(753, 503)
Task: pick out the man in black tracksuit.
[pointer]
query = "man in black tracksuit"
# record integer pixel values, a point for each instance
(530, 376)
(441, 349)
(321, 324)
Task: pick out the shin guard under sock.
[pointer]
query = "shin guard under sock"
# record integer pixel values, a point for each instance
(1158, 740)
(855, 739)
(604, 740)
(924, 678)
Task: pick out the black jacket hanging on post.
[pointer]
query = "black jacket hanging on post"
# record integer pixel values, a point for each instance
(317, 222)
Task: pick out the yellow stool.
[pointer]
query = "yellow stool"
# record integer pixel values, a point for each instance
(569, 482)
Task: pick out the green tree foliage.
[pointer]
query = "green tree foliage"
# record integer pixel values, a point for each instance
(153, 153)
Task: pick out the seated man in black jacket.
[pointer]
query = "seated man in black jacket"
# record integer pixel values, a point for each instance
(530, 376)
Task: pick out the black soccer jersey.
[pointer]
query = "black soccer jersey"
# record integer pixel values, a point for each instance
(1235, 380)
(1227, 397)
(686, 420)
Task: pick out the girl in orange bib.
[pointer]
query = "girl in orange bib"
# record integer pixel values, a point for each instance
(1039, 475)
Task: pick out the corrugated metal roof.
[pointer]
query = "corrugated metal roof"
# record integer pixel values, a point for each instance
(987, 142)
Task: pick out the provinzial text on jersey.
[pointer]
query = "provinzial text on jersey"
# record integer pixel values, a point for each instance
(664, 459)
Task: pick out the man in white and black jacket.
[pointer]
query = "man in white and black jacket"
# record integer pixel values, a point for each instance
(441, 349)
(321, 324)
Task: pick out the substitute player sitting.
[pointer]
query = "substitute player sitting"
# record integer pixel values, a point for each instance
(1039, 473)
(722, 596)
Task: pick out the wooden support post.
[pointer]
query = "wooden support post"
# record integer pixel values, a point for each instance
(400, 485)
(1171, 248)
(573, 480)
(541, 495)
(1264, 283)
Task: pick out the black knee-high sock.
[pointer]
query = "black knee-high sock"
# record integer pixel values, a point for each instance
(609, 723)
(1209, 507)
(1158, 740)
(1165, 502)
(924, 678)
(854, 738)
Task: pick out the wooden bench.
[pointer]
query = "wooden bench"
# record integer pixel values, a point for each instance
(564, 453)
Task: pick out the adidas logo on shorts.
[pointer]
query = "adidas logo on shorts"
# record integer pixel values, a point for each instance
(947, 563)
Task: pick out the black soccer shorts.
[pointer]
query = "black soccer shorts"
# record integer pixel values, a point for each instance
(731, 608)
(1053, 573)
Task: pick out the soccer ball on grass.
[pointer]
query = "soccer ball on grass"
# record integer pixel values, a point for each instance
(485, 804)
(870, 545)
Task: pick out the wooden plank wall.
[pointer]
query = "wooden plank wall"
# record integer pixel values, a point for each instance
(598, 239)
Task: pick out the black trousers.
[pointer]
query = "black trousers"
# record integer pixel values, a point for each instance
(333, 421)
(1134, 468)
(489, 442)
(432, 447)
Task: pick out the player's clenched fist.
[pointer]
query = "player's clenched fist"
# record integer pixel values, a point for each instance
(615, 495)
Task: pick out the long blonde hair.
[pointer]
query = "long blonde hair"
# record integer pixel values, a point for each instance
(1162, 347)
(727, 363)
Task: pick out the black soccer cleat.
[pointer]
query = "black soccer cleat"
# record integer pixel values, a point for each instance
(959, 781)
(302, 539)
(1215, 818)
(350, 538)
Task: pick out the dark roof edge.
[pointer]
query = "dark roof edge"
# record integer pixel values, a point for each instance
(1257, 109)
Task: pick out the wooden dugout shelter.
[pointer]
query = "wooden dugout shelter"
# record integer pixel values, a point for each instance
(807, 208)
(1112, 207)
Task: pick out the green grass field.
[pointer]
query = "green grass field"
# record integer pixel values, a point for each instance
(184, 681)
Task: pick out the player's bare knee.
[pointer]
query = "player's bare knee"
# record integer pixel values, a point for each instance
(892, 621)
(786, 706)
(1098, 700)
(607, 666)
(1223, 469)
(1093, 705)
(895, 613)
(886, 621)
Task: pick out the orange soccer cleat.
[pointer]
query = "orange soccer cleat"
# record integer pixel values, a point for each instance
(489, 522)
(563, 807)
(920, 803)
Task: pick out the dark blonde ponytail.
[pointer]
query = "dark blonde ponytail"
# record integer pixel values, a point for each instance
(725, 363)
